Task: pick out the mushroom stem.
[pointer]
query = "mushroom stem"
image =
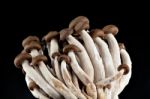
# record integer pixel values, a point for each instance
(39, 80)
(58, 85)
(67, 79)
(62, 89)
(106, 57)
(99, 72)
(86, 65)
(125, 78)
(82, 75)
(34, 52)
(77, 69)
(107, 93)
(114, 49)
(75, 80)
(54, 48)
(36, 92)
(57, 69)
(107, 60)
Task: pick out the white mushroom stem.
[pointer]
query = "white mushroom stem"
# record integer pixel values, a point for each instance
(125, 78)
(57, 69)
(86, 65)
(111, 79)
(35, 53)
(67, 79)
(35, 92)
(75, 80)
(82, 75)
(100, 93)
(77, 69)
(107, 93)
(115, 53)
(106, 56)
(36, 77)
(58, 85)
(53, 48)
(62, 89)
(107, 60)
(99, 72)
(114, 49)
(85, 94)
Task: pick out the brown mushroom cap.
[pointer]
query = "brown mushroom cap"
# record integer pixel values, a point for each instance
(97, 33)
(79, 23)
(55, 54)
(72, 47)
(107, 86)
(125, 67)
(31, 46)
(33, 85)
(64, 33)
(21, 58)
(122, 46)
(64, 57)
(111, 29)
(29, 39)
(37, 59)
(50, 35)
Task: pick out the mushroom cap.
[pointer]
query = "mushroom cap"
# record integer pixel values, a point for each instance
(122, 46)
(97, 33)
(21, 58)
(107, 86)
(64, 33)
(111, 29)
(37, 59)
(79, 23)
(55, 54)
(32, 45)
(29, 39)
(50, 35)
(64, 57)
(32, 85)
(71, 47)
(125, 67)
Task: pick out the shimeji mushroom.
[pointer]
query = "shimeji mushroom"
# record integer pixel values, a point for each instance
(24, 60)
(80, 24)
(67, 77)
(34, 89)
(83, 65)
(97, 34)
(125, 60)
(53, 51)
(90, 87)
(82, 55)
(33, 48)
(110, 31)
(75, 80)
(124, 69)
(58, 85)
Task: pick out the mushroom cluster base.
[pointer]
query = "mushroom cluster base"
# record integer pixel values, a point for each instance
(75, 63)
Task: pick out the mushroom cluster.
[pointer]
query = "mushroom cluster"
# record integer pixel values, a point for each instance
(75, 63)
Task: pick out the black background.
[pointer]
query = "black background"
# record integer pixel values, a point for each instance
(21, 21)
